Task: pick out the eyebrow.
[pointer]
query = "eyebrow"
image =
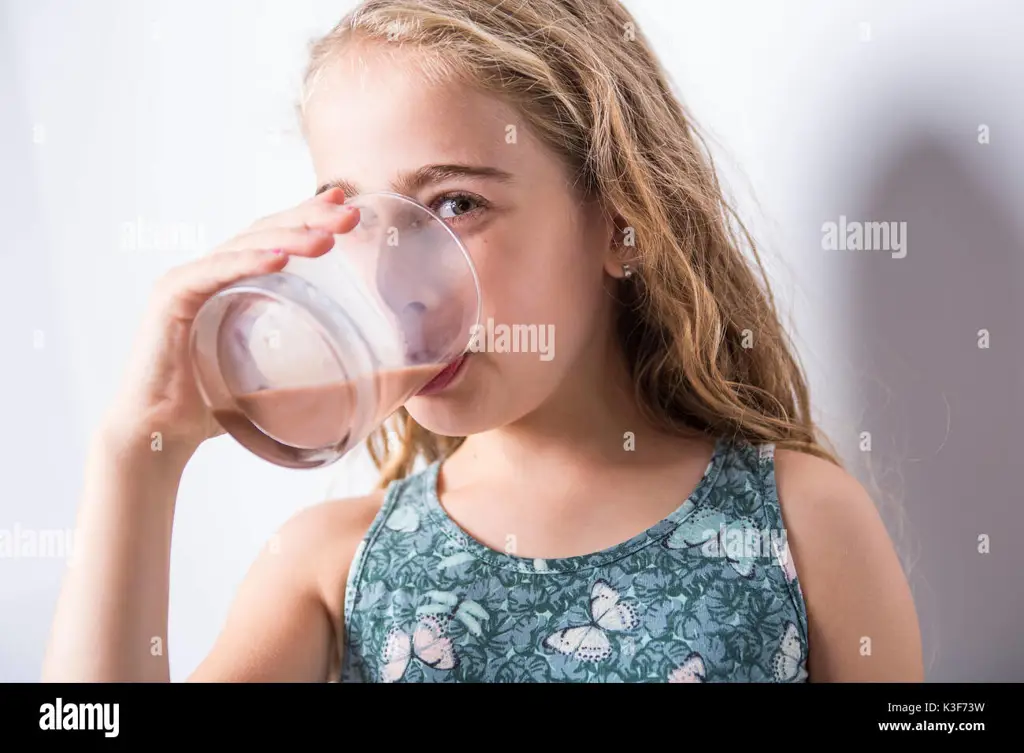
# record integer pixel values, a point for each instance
(410, 183)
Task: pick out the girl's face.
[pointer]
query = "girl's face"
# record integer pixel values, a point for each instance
(540, 252)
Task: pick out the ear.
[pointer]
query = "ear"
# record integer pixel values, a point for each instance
(622, 248)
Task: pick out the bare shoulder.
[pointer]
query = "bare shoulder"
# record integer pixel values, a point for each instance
(326, 536)
(286, 623)
(862, 620)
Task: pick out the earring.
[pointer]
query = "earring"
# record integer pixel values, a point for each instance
(627, 271)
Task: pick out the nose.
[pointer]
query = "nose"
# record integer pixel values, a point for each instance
(412, 323)
(421, 281)
(426, 304)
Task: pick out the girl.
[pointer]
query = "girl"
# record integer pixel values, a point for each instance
(653, 504)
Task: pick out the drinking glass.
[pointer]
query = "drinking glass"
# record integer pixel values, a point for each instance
(301, 365)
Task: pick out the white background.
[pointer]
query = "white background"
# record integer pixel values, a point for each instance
(165, 115)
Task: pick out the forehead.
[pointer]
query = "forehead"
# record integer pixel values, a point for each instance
(373, 113)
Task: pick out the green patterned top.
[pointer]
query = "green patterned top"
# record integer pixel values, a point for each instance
(707, 594)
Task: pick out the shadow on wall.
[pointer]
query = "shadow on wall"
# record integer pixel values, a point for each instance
(934, 336)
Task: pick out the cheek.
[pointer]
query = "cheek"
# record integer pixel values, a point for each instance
(541, 274)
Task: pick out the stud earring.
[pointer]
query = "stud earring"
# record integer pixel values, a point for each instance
(627, 271)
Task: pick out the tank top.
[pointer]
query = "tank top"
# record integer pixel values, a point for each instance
(707, 594)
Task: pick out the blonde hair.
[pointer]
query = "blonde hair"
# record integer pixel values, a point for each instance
(700, 327)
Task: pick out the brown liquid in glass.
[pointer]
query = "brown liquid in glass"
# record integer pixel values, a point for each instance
(302, 426)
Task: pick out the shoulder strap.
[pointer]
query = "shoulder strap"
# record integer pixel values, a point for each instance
(781, 553)
(391, 495)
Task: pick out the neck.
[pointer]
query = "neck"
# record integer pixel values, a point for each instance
(592, 423)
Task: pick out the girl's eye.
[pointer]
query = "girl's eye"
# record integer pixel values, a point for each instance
(454, 206)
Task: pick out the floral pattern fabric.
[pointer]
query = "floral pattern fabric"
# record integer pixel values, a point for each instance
(708, 594)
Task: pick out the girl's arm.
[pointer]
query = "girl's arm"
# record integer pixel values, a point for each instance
(862, 620)
(111, 616)
(286, 623)
(111, 619)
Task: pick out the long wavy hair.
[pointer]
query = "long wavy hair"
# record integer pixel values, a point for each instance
(700, 328)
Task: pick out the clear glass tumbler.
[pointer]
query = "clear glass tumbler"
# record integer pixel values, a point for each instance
(301, 365)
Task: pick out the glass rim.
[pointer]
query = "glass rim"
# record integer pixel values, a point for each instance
(451, 233)
(252, 287)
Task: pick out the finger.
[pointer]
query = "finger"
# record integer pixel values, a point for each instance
(296, 235)
(321, 209)
(293, 240)
(184, 289)
(335, 218)
(331, 195)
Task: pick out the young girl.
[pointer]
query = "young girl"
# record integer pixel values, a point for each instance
(653, 504)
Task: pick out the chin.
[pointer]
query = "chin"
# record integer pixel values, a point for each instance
(450, 418)
(477, 401)
(461, 412)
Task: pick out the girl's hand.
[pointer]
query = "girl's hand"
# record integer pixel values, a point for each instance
(159, 391)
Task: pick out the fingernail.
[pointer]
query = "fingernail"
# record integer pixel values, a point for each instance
(278, 251)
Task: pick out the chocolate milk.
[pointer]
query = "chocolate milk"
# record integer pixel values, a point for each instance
(293, 419)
